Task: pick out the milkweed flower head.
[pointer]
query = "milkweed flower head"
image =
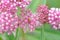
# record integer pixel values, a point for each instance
(28, 21)
(8, 17)
(8, 7)
(8, 22)
(22, 3)
(54, 17)
(18, 3)
(42, 12)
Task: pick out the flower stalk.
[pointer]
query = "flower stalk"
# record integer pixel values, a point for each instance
(42, 33)
(23, 35)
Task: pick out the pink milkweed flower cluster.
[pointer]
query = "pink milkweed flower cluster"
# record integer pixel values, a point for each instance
(9, 21)
(54, 17)
(42, 12)
(43, 15)
(28, 21)
(51, 16)
(8, 7)
(23, 3)
(8, 17)
(18, 3)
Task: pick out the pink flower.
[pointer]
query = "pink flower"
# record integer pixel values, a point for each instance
(8, 22)
(54, 17)
(18, 3)
(8, 17)
(2, 1)
(8, 7)
(28, 21)
(22, 3)
(42, 12)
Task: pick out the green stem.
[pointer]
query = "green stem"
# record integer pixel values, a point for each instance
(20, 35)
(42, 33)
(23, 34)
(17, 34)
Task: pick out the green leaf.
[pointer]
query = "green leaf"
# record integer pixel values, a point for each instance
(34, 5)
(9, 37)
(53, 3)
